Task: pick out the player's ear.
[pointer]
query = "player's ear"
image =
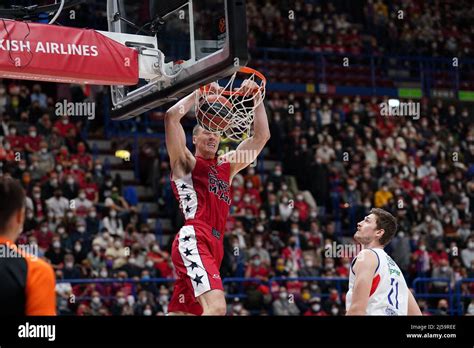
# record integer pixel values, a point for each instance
(380, 233)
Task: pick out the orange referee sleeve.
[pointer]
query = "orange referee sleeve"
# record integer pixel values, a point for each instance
(40, 288)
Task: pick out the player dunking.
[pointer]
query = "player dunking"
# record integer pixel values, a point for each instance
(376, 284)
(201, 183)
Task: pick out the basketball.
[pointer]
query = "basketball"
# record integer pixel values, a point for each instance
(214, 113)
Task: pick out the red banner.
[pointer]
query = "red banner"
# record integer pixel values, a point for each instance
(43, 52)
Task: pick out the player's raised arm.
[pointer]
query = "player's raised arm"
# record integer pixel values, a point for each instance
(181, 159)
(364, 270)
(250, 148)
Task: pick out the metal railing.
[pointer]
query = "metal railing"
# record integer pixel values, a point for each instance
(453, 294)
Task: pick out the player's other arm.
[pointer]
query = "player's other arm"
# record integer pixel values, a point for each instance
(413, 308)
(181, 159)
(364, 270)
(250, 148)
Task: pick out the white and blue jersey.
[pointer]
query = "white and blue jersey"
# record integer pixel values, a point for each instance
(388, 292)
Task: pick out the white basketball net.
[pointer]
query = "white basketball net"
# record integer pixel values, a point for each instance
(238, 113)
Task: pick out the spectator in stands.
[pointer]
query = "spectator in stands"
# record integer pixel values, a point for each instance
(82, 205)
(439, 254)
(442, 308)
(467, 255)
(113, 223)
(70, 270)
(117, 202)
(58, 204)
(259, 250)
(444, 271)
(284, 305)
(315, 308)
(55, 254)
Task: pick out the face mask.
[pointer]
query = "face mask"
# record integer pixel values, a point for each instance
(96, 248)
(238, 308)
(33, 134)
(470, 245)
(69, 264)
(57, 244)
(44, 229)
(147, 312)
(96, 300)
(113, 213)
(256, 262)
(70, 215)
(283, 295)
(444, 268)
(316, 307)
(334, 311)
(258, 244)
(81, 229)
(82, 196)
(422, 248)
(29, 216)
(92, 214)
(121, 301)
(149, 264)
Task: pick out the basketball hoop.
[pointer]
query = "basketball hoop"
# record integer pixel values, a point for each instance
(229, 109)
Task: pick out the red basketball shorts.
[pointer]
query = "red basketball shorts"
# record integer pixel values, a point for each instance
(197, 254)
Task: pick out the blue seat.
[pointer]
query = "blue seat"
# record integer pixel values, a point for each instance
(130, 195)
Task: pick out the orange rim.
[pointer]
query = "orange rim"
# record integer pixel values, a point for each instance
(245, 70)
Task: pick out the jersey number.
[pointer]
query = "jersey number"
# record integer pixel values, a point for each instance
(394, 287)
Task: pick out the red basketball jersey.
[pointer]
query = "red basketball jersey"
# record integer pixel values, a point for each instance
(204, 194)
